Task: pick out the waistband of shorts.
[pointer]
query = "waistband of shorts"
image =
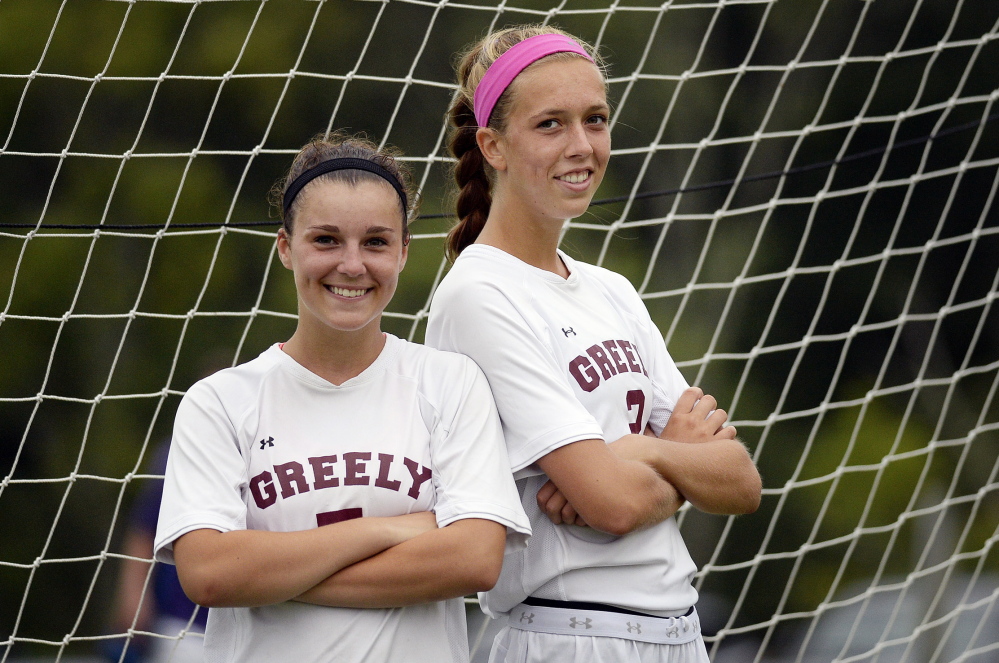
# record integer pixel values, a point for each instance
(599, 607)
(602, 623)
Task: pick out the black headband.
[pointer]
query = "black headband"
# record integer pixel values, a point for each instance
(343, 164)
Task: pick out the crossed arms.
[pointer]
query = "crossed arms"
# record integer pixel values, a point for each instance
(643, 479)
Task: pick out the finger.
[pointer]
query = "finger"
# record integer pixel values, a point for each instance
(687, 399)
(545, 493)
(553, 508)
(728, 433)
(569, 514)
(717, 419)
(705, 406)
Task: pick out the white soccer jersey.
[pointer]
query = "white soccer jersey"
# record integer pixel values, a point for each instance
(567, 360)
(269, 445)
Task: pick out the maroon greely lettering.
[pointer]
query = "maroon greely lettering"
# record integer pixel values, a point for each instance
(615, 354)
(322, 472)
(613, 358)
(629, 352)
(384, 463)
(292, 479)
(262, 488)
(419, 477)
(291, 475)
(586, 376)
(354, 467)
(602, 361)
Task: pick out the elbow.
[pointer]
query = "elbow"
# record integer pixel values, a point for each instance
(754, 493)
(485, 577)
(202, 588)
(748, 494)
(479, 560)
(617, 519)
(206, 594)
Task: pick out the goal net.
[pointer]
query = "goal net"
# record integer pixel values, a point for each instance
(803, 193)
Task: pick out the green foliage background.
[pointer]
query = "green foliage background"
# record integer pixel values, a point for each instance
(115, 114)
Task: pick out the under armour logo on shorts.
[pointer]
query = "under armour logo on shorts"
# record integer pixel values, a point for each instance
(585, 623)
(674, 632)
(269, 442)
(529, 618)
(637, 628)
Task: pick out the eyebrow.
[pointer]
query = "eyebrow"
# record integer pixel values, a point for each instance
(372, 230)
(560, 111)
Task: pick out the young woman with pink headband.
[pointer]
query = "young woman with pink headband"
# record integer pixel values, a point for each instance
(605, 439)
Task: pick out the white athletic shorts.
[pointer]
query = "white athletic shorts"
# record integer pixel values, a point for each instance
(537, 634)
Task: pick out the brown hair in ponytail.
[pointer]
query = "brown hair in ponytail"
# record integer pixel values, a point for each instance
(471, 172)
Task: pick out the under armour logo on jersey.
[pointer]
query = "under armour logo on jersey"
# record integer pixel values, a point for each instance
(637, 628)
(529, 618)
(269, 442)
(585, 623)
(568, 331)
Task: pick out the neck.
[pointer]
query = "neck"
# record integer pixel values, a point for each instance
(334, 355)
(529, 238)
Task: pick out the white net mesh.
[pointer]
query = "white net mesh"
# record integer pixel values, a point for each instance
(802, 191)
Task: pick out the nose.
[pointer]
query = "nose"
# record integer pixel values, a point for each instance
(579, 141)
(351, 263)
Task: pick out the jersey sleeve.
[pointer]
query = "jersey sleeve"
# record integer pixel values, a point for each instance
(205, 473)
(472, 476)
(536, 404)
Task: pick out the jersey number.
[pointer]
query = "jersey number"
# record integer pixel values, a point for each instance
(636, 397)
(330, 517)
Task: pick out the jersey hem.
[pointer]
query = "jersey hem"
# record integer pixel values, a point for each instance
(163, 546)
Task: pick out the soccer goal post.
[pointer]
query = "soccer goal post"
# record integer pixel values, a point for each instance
(802, 191)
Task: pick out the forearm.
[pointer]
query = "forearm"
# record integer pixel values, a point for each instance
(716, 477)
(462, 558)
(246, 568)
(610, 492)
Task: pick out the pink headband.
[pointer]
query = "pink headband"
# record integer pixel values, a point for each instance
(509, 65)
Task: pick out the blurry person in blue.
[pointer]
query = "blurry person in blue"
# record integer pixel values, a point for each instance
(158, 606)
(332, 499)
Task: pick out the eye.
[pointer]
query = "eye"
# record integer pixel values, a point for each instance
(378, 241)
(597, 118)
(548, 124)
(324, 240)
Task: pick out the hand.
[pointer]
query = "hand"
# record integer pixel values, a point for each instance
(697, 418)
(553, 504)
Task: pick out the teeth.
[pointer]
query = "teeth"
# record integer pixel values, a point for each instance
(575, 178)
(344, 292)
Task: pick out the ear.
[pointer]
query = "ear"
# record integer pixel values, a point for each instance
(284, 247)
(492, 147)
(405, 255)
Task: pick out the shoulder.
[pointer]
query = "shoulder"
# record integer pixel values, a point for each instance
(233, 387)
(615, 287)
(443, 380)
(611, 281)
(483, 287)
(472, 277)
(430, 366)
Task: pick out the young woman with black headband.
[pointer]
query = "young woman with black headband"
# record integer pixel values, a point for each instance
(579, 371)
(330, 499)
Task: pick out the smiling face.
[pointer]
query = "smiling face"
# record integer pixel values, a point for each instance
(553, 152)
(346, 251)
